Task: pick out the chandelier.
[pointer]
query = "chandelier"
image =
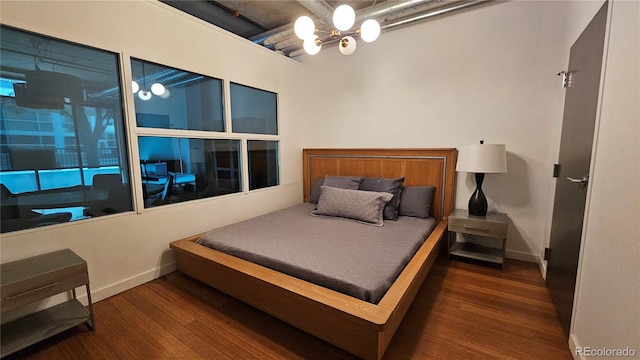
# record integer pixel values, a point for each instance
(145, 93)
(343, 19)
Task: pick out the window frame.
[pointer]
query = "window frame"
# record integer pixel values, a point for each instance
(131, 132)
(120, 124)
(135, 131)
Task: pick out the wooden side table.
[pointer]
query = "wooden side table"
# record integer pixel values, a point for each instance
(492, 225)
(36, 278)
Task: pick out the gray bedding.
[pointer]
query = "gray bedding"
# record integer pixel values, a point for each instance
(353, 258)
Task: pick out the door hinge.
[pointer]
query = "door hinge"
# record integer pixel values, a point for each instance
(547, 253)
(556, 170)
(566, 78)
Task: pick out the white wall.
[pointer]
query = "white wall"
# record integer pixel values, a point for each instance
(608, 290)
(129, 249)
(485, 74)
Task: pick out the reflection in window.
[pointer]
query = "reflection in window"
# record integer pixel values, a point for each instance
(169, 98)
(182, 169)
(62, 141)
(253, 110)
(263, 164)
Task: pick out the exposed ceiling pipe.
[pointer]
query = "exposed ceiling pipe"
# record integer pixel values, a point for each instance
(387, 8)
(281, 32)
(435, 12)
(460, 5)
(320, 8)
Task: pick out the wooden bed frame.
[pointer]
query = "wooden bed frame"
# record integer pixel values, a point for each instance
(357, 326)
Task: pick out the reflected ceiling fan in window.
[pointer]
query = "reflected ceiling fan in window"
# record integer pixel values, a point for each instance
(47, 89)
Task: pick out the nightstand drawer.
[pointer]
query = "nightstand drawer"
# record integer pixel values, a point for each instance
(41, 287)
(478, 227)
(37, 278)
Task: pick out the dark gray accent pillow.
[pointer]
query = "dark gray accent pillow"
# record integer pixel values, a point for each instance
(343, 182)
(392, 186)
(365, 206)
(315, 193)
(416, 201)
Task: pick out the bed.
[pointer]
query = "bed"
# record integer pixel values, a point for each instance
(357, 326)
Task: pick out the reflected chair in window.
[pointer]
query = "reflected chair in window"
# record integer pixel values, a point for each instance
(162, 197)
(14, 218)
(165, 196)
(119, 195)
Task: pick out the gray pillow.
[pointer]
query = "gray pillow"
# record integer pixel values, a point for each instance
(365, 206)
(416, 201)
(392, 186)
(343, 182)
(315, 193)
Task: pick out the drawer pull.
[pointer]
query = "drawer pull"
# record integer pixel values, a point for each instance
(477, 228)
(11, 297)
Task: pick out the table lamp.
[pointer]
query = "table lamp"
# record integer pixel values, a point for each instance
(481, 159)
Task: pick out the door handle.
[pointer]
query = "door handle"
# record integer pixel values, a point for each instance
(584, 181)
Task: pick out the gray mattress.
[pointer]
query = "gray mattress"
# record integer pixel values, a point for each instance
(340, 254)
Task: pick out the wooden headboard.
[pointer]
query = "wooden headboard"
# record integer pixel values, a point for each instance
(419, 167)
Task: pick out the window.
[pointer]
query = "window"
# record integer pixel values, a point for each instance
(253, 110)
(263, 164)
(181, 167)
(62, 135)
(168, 98)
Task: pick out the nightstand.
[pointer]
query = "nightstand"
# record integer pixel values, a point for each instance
(493, 225)
(34, 279)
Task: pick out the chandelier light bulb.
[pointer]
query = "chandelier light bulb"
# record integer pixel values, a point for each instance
(135, 87)
(304, 27)
(347, 45)
(144, 94)
(370, 30)
(157, 89)
(344, 17)
(310, 46)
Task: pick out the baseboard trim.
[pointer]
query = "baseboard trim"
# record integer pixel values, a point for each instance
(528, 257)
(96, 295)
(543, 268)
(522, 256)
(124, 285)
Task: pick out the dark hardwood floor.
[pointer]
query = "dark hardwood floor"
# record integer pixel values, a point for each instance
(462, 311)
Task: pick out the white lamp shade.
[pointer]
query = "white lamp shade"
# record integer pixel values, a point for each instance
(144, 94)
(347, 45)
(370, 30)
(134, 86)
(344, 17)
(310, 46)
(482, 158)
(304, 27)
(157, 89)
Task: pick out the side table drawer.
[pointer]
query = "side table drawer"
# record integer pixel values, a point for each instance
(478, 227)
(31, 289)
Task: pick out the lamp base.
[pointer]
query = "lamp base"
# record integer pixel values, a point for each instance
(478, 202)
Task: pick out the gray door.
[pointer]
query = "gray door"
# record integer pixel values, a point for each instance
(578, 126)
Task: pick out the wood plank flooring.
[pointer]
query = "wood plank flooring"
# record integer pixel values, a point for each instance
(462, 311)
